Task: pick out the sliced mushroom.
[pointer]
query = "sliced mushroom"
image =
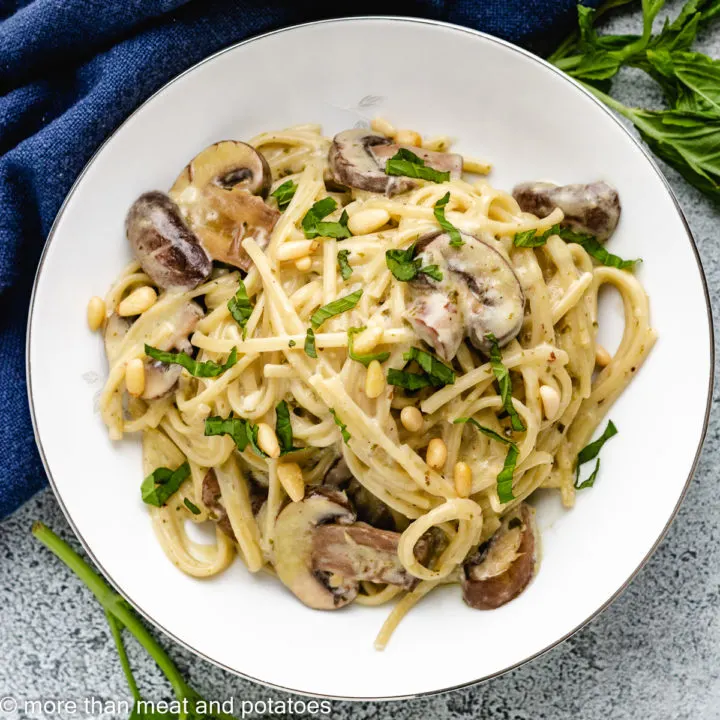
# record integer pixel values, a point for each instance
(212, 499)
(357, 158)
(220, 193)
(362, 552)
(479, 294)
(502, 567)
(294, 531)
(593, 208)
(167, 249)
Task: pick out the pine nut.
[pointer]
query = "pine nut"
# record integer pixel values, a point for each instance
(602, 356)
(411, 418)
(374, 380)
(463, 479)
(304, 264)
(135, 377)
(408, 137)
(366, 221)
(550, 401)
(96, 313)
(137, 302)
(291, 478)
(366, 341)
(436, 454)
(295, 249)
(383, 126)
(267, 440)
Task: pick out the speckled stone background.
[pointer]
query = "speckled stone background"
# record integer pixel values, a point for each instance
(655, 653)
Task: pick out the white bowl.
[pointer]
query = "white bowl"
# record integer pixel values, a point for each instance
(502, 104)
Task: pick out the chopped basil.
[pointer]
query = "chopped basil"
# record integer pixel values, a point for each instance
(291, 343)
(590, 452)
(242, 431)
(405, 266)
(336, 307)
(439, 212)
(313, 226)
(366, 358)
(530, 238)
(408, 380)
(439, 373)
(191, 506)
(345, 270)
(283, 428)
(310, 349)
(502, 375)
(407, 163)
(284, 193)
(162, 483)
(343, 427)
(240, 307)
(194, 367)
(505, 476)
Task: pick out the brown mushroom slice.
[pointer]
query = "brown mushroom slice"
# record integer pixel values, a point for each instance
(592, 208)
(502, 567)
(362, 552)
(293, 545)
(169, 252)
(229, 164)
(357, 159)
(479, 294)
(211, 498)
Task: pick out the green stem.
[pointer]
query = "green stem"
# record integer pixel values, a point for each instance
(114, 605)
(116, 630)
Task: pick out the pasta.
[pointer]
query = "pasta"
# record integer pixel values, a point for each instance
(269, 371)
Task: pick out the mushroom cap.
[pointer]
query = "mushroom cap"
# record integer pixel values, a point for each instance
(293, 544)
(502, 567)
(479, 294)
(167, 249)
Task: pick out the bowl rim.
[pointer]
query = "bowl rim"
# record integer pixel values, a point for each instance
(389, 19)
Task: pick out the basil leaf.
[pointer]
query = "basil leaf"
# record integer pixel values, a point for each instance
(439, 212)
(502, 375)
(407, 163)
(365, 358)
(313, 225)
(592, 247)
(194, 367)
(191, 506)
(283, 428)
(310, 349)
(484, 430)
(406, 267)
(291, 343)
(590, 480)
(590, 452)
(432, 271)
(408, 380)
(284, 193)
(343, 428)
(240, 307)
(530, 238)
(336, 307)
(162, 483)
(439, 373)
(345, 270)
(242, 431)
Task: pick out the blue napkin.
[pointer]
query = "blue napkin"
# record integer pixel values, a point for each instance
(72, 70)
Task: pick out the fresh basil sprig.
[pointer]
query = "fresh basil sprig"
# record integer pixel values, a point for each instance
(406, 267)
(345, 270)
(502, 375)
(407, 163)
(194, 367)
(505, 476)
(242, 431)
(336, 307)
(590, 452)
(313, 225)
(240, 307)
(346, 436)
(364, 358)
(284, 193)
(162, 483)
(310, 349)
(456, 240)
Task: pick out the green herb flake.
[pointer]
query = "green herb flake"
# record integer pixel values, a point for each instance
(284, 193)
(242, 431)
(502, 375)
(345, 270)
(162, 483)
(439, 373)
(365, 358)
(310, 349)
(592, 247)
(240, 307)
(343, 428)
(336, 307)
(194, 367)
(191, 506)
(407, 380)
(406, 267)
(407, 163)
(283, 429)
(590, 452)
(291, 343)
(456, 240)
(313, 225)
(530, 238)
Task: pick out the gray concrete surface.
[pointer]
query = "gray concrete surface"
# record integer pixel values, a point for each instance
(654, 654)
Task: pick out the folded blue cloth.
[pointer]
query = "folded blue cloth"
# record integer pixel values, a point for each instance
(72, 70)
